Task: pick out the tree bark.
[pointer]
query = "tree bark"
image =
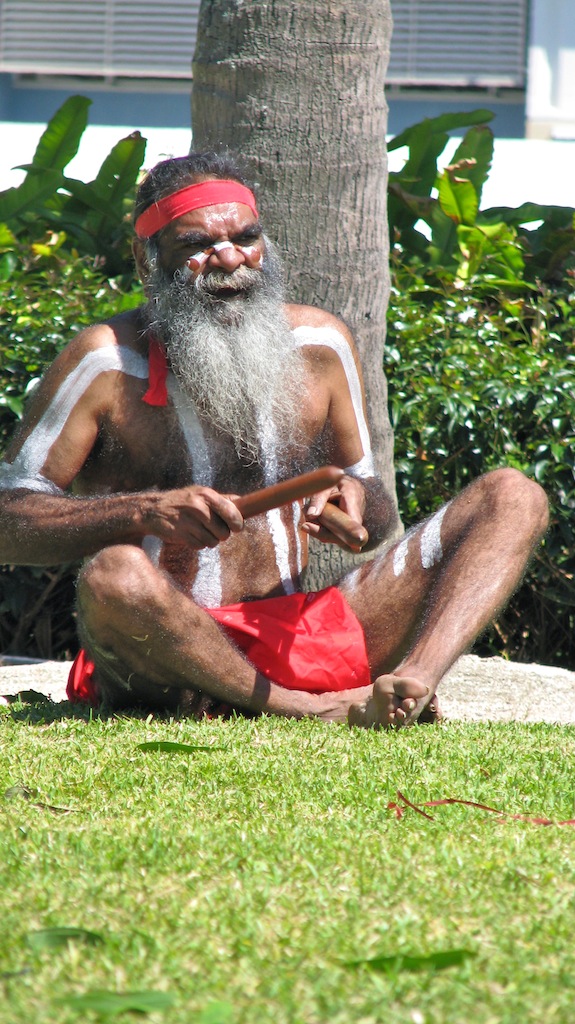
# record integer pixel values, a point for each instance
(298, 89)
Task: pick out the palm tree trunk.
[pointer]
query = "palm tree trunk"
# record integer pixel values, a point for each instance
(298, 89)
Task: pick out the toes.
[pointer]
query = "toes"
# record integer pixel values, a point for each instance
(409, 688)
(362, 715)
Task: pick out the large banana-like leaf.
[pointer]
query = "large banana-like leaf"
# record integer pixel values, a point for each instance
(474, 155)
(439, 125)
(457, 197)
(119, 172)
(60, 141)
(26, 197)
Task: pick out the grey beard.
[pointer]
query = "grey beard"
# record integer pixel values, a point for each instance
(235, 358)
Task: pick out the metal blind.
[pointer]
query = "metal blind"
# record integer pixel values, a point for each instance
(459, 43)
(142, 38)
(435, 42)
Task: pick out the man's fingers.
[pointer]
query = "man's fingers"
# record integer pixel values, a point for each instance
(333, 526)
(350, 531)
(197, 516)
(318, 501)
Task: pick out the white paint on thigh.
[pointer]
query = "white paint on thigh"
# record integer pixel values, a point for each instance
(207, 585)
(296, 509)
(362, 469)
(430, 543)
(33, 454)
(152, 547)
(400, 556)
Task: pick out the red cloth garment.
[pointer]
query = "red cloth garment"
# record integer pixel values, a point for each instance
(81, 687)
(312, 642)
(157, 393)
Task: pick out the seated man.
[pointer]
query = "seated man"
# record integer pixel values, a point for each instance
(145, 429)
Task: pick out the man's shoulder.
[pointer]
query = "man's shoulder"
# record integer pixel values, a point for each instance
(119, 332)
(318, 328)
(314, 317)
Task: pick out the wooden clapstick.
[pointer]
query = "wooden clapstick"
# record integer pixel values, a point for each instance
(290, 490)
(354, 535)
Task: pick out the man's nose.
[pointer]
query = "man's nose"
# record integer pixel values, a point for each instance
(226, 256)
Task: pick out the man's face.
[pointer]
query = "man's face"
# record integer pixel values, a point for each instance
(220, 247)
(223, 324)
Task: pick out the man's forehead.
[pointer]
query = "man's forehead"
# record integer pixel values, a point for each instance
(213, 221)
(196, 196)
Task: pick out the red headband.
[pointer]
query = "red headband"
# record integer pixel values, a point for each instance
(193, 197)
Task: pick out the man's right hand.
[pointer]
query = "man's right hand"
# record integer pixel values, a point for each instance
(196, 516)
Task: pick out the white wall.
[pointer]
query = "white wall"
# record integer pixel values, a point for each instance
(524, 170)
(550, 108)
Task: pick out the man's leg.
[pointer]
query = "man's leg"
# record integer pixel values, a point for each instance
(424, 602)
(153, 646)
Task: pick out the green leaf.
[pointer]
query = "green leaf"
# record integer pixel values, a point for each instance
(399, 962)
(477, 150)
(442, 123)
(60, 141)
(111, 1004)
(458, 198)
(7, 239)
(29, 195)
(56, 938)
(119, 171)
(168, 747)
(215, 1013)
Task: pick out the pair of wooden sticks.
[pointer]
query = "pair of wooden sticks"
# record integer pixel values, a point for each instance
(353, 534)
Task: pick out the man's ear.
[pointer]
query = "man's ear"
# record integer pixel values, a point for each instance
(141, 260)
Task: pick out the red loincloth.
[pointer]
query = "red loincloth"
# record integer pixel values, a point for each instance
(311, 642)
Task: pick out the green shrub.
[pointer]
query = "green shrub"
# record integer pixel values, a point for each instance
(48, 294)
(480, 383)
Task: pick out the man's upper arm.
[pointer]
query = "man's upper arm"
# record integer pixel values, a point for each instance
(341, 376)
(61, 424)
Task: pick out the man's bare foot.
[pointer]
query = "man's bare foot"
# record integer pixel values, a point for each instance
(396, 701)
(431, 713)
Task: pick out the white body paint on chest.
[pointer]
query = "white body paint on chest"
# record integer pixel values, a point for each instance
(331, 338)
(207, 586)
(269, 445)
(26, 470)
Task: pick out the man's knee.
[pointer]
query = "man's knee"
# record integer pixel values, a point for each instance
(115, 577)
(510, 495)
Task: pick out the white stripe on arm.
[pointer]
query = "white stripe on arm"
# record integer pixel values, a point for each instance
(331, 338)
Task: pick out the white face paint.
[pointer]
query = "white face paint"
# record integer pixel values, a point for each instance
(430, 543)
(333, 339)
(30, 460)
(197, 262)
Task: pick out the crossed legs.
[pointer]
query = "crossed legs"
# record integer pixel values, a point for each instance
(424, 602)
(421, 605)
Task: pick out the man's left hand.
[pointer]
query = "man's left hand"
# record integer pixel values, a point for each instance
(349, 496)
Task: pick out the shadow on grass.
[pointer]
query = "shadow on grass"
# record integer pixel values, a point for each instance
(31, 708)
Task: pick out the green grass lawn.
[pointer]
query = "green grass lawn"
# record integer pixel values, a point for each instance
(242, 882)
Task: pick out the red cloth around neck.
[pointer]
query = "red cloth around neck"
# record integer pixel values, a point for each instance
(157, 393)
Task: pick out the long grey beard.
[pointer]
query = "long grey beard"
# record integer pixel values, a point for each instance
(236, 360)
